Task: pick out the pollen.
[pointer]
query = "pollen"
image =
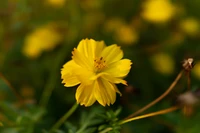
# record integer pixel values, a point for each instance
(99, 63)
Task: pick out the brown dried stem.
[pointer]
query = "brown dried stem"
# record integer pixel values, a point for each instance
(159, 98)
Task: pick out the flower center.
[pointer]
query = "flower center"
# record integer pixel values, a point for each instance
(99, 64)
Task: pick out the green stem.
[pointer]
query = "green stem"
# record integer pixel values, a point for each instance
(48, 90)
(54, 76)
(63, 118)
(106, 130)
(51, 83)
(1, 124)
(11, 87)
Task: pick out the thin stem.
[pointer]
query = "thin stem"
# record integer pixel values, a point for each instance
(159, 98)
(51, 83)
(106, 130)
(187, 110)
(11, 87)
(64, 118)
(53, 78)
(188, 80)
(1, 124)
(150, 114)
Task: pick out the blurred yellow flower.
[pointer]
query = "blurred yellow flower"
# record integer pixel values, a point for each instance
(196, 69)
(190, 26)
(163, 63)
(1, 124)
(158, 11)
(91, 5)
(126, 35)
(56, 3)
(122, 32)
(112, 24)
(41, 39)
(97, 69)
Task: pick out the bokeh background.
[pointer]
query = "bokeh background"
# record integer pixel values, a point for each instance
(37, 37)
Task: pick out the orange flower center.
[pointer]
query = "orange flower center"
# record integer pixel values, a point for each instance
(99, 64)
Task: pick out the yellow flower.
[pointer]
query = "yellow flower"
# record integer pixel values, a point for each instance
(196, 69)
(190, 26)
(163, 63)
(97, 69)
(42, 39)
(122, 32)
(111, 25)
(126, 35)
(56, 3)
(158, 10)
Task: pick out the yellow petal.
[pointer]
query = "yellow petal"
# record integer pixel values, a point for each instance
(116, 89)
(81, 60)
(113, 79)
(119, 69)
(69, 78)
(108, 77)
(112, 54)
(85, 94)
(105, 92)
(84, 76)
(90, 48)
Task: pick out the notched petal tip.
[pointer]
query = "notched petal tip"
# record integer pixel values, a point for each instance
(120, 94)
(126, 84)
(73, 52)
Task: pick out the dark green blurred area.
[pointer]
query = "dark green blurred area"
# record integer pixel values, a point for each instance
(156, 51)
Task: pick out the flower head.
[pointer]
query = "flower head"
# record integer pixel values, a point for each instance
(44, 38)
(196, 70)
(158, 11)
(190, 26)
(56, 3)
(163, 63)
(126, 34)
(97, 69)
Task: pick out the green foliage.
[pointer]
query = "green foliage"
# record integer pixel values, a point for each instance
(188, 125)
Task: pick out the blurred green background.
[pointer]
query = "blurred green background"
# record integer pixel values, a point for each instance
(37, 37)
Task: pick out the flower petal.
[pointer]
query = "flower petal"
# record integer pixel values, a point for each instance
(112, 79)
(69, 78)
(85, 76)
(105, 92)
(85, 94)
(112, 54)
(81, 60)
(119, 69)
(91, 48)
(116, 89)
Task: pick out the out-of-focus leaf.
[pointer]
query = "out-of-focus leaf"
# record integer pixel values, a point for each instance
(188, 125)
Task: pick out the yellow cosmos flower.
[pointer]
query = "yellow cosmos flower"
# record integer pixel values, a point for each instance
(196, 69)
(97, 69)
(163, 63)
(122, 32)
(111, 25)
(56, 3)
(44, 38)
(126, 35)
(190, 26)
(158, 10)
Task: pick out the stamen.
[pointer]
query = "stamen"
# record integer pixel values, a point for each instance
(99, 63)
